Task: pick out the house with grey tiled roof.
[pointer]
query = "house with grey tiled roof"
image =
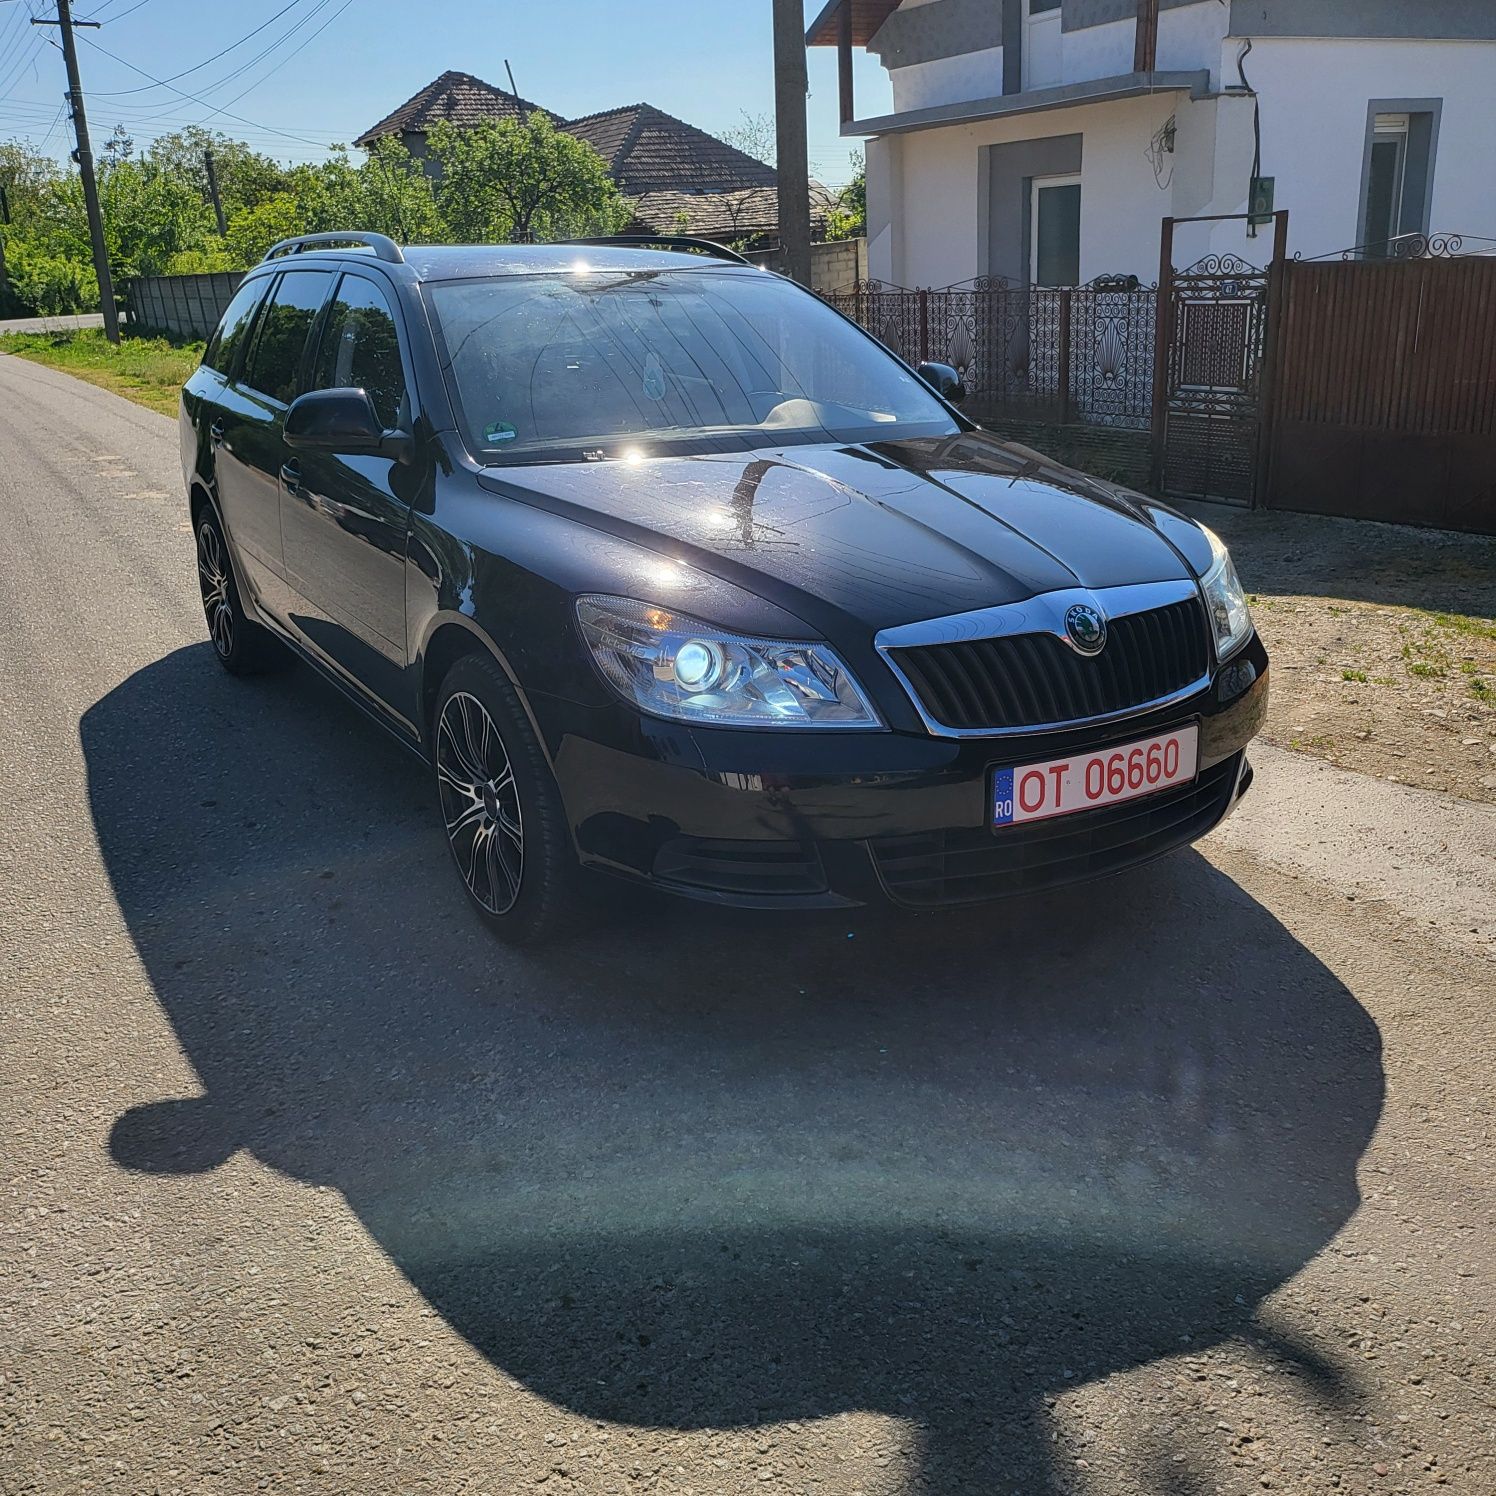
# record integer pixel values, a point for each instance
(459, 98)
(679, 178)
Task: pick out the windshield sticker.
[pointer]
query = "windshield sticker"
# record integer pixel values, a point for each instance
(499, 431)
(654, 378)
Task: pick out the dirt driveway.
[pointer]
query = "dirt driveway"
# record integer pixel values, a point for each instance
(1382, 640)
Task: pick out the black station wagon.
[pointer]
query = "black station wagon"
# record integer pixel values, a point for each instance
(670, 571)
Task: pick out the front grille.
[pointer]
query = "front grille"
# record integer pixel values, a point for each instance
(763, 868)
(1028, 680)
(966, 867)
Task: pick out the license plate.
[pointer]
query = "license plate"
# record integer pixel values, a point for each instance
(1087, 781)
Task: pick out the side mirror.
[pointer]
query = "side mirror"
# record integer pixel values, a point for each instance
(341, 421)
(944, 380)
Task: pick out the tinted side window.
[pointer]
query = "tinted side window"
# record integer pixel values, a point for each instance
(232, 330)
(361, 349)
(276, 356)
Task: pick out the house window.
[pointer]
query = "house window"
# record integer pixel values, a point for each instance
(1397, 176)
(1386, 180)
(1041, 44)
(1054, 231)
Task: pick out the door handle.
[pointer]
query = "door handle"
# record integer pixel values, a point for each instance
(291, 474)
(215, 433)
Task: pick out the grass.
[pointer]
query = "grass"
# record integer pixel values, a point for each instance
(149, 371)
(1483, 690)
(1355, 675)
(1424, 671)
(1464, 623)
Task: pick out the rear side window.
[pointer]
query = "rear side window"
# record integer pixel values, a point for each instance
(361, 349)
(224, 345)
(275, 359)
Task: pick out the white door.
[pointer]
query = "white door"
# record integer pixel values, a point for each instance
(1054, 231)
(1041, 44)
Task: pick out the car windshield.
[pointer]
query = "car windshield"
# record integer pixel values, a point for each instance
(591, 363)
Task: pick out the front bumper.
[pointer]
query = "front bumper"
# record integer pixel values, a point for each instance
(802, 819)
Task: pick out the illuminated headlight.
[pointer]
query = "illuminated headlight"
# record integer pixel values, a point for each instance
(675, 666)
(1225, 601)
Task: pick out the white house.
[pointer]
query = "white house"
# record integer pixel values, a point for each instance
(1045, 140)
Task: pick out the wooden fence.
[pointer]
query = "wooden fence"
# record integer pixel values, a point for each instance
(1384, 392)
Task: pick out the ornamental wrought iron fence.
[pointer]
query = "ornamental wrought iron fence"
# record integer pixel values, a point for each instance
(1070, 354)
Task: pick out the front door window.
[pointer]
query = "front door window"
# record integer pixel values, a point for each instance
(1054, 248)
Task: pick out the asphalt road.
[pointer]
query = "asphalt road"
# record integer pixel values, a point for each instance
(52, 324)
(1180, 1184)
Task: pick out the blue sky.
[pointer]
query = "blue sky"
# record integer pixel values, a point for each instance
(327, 69)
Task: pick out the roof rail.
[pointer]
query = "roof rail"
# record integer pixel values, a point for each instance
(686, 242)
(384, 247)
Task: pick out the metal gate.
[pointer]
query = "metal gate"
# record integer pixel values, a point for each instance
(1215, 320)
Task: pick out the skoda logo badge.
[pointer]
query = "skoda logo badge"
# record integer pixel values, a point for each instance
(1086, 627)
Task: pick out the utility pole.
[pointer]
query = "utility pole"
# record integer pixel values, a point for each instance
(223, 228)
(83, 155)
(790, 86)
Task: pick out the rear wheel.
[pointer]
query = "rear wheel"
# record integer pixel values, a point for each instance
(242, 647)
(501, 810)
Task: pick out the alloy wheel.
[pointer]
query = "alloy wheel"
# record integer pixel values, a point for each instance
(213, 579)
(480, 803)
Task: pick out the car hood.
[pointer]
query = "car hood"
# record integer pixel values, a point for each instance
(883, 534)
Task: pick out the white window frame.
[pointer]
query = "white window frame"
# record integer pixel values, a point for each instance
(1036, 185)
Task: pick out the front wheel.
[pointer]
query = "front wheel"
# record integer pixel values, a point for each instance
(501, 810)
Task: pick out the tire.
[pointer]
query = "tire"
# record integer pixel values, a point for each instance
(242, 647)
(501, 809)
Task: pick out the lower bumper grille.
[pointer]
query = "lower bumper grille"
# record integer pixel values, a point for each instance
(970, 866)
(764, 868)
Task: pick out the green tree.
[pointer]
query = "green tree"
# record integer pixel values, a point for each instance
(51, 286)
(847, 218)
(245, 177)
(522, 180)
(151, 214)
(253, 230)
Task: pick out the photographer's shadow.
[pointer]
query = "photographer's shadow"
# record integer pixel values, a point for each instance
(703, 1169)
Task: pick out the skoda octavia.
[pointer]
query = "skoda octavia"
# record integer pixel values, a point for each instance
(670, 571)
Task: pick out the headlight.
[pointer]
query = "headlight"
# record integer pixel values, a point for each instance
(677, 666)
(1225, 601)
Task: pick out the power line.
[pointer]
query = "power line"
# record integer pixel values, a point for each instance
(193, 98)
(120, 17)
(120, 93)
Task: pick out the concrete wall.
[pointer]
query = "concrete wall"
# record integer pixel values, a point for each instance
(930, 210)
(1317, 92)
(959, 62)
(836, 265)
(188, 306)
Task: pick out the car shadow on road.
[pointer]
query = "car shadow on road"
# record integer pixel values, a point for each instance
(700, 1169)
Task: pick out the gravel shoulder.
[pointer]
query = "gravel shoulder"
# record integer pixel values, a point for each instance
(1383, 643)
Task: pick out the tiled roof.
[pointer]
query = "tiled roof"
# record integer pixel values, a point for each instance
(459, 97)
(668, 167)
(649, 151)
(720, 215)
